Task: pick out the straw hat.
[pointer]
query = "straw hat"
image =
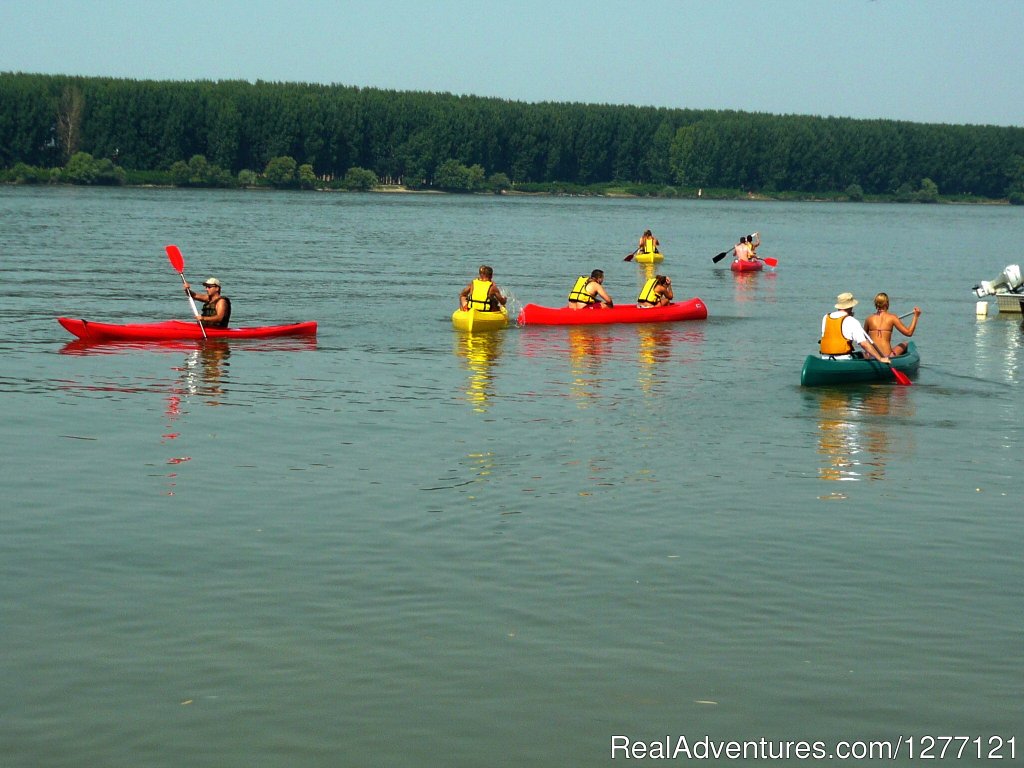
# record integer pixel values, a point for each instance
(846, 301)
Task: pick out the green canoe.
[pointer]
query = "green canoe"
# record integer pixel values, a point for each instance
(820, 371)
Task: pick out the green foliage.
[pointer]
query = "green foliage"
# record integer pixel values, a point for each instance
(905, 193)
(199, 172)
(929, 192)
(463, 142)
(80, 169)
(247, 178)
(855, 193)
(359, 179)
(499, 182)
(453, 176)
(306, 177)
(280, 172)
(83, 168)
(27, 174)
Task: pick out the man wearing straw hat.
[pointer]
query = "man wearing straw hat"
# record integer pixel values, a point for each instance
(841, 333)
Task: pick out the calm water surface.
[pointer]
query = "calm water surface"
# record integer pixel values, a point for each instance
(400, 546)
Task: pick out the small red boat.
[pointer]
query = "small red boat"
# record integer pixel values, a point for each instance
(534, 314)
(744, 265)
(177, 329)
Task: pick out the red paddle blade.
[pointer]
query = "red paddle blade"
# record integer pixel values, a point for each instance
(770, 261)
(176, 259)
(901, 377)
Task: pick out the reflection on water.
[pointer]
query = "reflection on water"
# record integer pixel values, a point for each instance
(655, 348)
(204, 370)
(755, 286)
(479, 351)
(859, 429)
(745, 286)
(998, 341)
(587, 345)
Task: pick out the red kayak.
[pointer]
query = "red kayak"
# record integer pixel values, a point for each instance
(755, 265)
(177, 329)
(534, 314)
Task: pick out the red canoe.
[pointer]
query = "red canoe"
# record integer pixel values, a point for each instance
(534, 314)
(747, 266)
(176, 329)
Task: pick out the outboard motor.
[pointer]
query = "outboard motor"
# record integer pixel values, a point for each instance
(1009, 280)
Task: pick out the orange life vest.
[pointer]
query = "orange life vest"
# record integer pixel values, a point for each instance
(832, 340)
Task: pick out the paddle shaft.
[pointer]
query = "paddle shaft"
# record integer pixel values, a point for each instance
(178, 263)
(718, 257)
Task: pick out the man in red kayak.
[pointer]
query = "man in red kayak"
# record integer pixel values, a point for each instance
(842, 333)
(589, 291)
(216, 311)
(742, 250)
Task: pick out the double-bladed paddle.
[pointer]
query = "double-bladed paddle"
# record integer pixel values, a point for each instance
(178, 262)
(767, 259)
(629, 257)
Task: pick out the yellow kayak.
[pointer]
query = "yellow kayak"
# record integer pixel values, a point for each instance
(649, 258)
(475, 320)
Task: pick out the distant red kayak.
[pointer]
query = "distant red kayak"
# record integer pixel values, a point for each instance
(747, 266)
(176, 329)
(534, 314)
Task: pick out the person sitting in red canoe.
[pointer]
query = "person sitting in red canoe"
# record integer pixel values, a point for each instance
(841, 333)
(879, 326)
(590, 292)
(648, 243)
(742, 250)
(482, 294)
(753, 241)
(216, 311)
(657, 292)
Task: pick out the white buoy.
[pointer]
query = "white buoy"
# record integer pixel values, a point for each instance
(981, 310)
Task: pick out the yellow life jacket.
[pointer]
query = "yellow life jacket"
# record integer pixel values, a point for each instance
(832, 340)
(579, 292)
(647, 294)
(648, 244)
(480, 298)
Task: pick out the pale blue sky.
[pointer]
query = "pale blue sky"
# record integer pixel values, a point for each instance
(943, 61)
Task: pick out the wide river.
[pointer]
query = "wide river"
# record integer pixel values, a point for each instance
(397, 545)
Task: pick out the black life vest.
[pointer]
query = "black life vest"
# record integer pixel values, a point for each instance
(210, 310)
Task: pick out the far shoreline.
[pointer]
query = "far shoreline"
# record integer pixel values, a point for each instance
(601, 192)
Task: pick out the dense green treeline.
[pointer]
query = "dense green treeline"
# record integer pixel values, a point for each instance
(418, 138)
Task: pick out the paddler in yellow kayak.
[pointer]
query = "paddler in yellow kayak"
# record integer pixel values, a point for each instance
(482, 294)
